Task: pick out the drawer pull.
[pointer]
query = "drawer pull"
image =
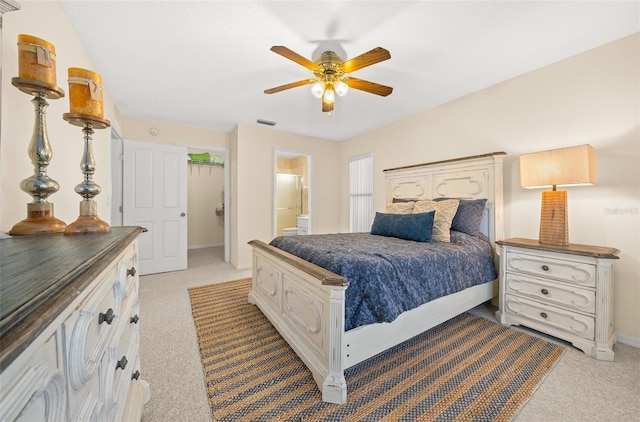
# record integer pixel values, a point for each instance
(543, 314)
(131, 271)
(545, 291)
(134, 319)
(545, 268)
(106, 317)
(135, 375)
(122, 363)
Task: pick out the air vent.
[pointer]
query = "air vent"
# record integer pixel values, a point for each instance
(266, 122)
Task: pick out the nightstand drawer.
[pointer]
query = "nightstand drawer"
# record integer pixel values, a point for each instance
(550, 316)
(559, 269)
(554, 293)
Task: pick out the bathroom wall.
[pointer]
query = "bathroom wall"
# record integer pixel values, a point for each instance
(291, 179)
(205, 193)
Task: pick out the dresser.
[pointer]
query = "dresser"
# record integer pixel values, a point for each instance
(69, 328)
(564, 291)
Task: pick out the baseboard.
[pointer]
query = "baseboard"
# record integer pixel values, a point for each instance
(628, 340)
(211, 245)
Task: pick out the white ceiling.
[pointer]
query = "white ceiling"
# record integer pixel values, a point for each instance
(207, 63)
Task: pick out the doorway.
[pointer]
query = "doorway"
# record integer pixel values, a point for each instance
(292, 193)
(208, 194)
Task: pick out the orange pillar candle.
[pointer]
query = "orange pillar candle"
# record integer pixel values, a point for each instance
(36, 59)
(85, 92)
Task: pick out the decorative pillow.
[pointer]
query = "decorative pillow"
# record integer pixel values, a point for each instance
(445, 211)
(396, 200)
(416, 227)
(399, 208)
(469, 215)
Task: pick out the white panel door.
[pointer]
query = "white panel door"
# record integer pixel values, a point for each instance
(155, 197)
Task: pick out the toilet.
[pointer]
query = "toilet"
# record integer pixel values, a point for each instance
(290, 231)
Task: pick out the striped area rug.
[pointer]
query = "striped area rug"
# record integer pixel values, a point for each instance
(466, 369)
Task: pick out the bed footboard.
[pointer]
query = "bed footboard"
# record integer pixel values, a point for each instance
(305, 303)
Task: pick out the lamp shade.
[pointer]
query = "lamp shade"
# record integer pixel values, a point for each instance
(559, 167)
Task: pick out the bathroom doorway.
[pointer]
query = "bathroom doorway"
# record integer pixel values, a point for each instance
(292, 195)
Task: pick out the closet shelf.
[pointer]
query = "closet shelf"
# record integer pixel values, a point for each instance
(199, 164)
(205, 163)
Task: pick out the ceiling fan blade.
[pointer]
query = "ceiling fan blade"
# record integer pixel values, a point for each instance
(292, 55)
(326, 107)
(374, 56)
(289, 86)
(367, 86)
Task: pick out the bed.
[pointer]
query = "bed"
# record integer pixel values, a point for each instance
(307, 303)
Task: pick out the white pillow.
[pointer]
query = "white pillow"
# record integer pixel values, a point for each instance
(445, 211)
(400, 208)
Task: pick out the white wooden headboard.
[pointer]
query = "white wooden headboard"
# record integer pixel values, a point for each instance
(474, 177)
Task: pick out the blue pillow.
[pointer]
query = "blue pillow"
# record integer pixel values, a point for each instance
(469, 215)
(416, 227)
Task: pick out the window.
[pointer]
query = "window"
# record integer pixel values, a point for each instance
(361, 193)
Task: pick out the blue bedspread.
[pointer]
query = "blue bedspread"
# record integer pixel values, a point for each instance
(388, 276)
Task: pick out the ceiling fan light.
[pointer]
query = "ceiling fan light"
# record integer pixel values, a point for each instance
(317, 89)
(341, 88)
(329, 96)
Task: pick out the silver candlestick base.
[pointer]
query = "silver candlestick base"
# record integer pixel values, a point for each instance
(40, 218)
(88, 222)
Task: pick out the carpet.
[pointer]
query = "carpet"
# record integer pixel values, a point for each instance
(466, 369)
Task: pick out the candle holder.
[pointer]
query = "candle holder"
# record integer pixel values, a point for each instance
(88, 222)
(40, 218)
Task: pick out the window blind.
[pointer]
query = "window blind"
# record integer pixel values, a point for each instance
(361, 193)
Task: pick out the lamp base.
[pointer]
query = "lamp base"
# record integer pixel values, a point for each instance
(88, 221)
(40, 220)
(554, 220)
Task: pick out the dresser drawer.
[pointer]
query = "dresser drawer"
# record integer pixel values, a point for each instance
(121, 361)
(559, 269)
(127, 271)
(91, 327)
(551, 316)
(554, 293)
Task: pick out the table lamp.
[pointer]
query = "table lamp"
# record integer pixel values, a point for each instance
(573, 166)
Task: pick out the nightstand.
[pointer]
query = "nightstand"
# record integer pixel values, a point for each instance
(564, 291)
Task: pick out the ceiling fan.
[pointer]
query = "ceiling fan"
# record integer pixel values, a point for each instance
(332, 74)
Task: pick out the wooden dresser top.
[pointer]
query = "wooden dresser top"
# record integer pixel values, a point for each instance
(572, 248)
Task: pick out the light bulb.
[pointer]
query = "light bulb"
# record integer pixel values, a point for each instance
(341, 88)
(329, 95)
(317, 89)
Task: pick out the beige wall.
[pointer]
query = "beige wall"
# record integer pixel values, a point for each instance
(253, 164)
(47, 20)
(169, 133)
(592, 98)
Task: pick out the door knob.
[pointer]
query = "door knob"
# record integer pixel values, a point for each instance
(182, 214)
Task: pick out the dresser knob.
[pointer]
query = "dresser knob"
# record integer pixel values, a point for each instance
(135, 375)
(543, 314)
(106, 317)
(134, 319)
(131, 271)
(122, 363)
(545, 268)
(545, 291)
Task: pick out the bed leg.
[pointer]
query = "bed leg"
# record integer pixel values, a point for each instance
(334, 389)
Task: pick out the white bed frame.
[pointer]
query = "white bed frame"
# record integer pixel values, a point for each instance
(305, 303)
